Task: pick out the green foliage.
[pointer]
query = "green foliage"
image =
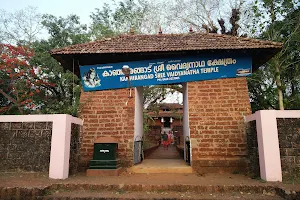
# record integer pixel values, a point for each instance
(262, 90)
(65, 31)
(282, 73)
(101, 23)
(128, 14)
(267, 12)
(147, 119)
(64, 97)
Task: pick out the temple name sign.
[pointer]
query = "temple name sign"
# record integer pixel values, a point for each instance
(164, 71)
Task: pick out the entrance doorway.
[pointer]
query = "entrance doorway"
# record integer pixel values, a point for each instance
(167, 123)
(153, 153)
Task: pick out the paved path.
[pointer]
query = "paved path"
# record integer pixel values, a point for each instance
(158, 166)
(161, 153)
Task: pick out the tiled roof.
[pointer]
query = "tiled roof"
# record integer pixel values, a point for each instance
(166, 114)
(175, 110)
(166, 42)
(170, 105)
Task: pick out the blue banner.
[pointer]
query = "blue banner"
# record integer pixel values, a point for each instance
(164, 71)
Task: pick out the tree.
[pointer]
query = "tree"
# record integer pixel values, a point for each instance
(64, 96)
(21, 83)
(262, 90)
(22, 26)
(61, 93)
(285, 31)
(194, 12)
(207, 16)
(101, 23)
(65, 31)
(154, 95)
(137, 15)
(107, 22)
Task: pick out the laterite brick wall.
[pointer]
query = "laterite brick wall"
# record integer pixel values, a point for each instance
(254, 168)
(26, 146)
(217, 128)
(105, 113)
(289, 143)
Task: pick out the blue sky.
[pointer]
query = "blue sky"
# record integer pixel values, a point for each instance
(82, 8)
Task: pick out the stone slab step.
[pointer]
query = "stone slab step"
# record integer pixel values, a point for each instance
(157, 166)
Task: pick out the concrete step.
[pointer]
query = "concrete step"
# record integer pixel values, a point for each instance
(157, 166)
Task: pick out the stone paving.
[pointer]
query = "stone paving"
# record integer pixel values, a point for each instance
(162, 153)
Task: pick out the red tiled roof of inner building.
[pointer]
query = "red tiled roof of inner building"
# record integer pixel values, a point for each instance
(165, 42)
(166, 114)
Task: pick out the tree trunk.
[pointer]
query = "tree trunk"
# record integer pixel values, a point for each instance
(12, 100)
(279, 86)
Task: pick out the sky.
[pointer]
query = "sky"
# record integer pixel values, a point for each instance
(82, 8)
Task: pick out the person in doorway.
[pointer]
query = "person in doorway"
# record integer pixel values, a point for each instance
(165, 140)
(169, 138)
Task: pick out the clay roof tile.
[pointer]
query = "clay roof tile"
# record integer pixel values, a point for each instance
(165, 42)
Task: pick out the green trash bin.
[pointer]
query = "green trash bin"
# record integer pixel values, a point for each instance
(105, 154)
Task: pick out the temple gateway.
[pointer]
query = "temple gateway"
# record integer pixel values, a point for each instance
(212, 70)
